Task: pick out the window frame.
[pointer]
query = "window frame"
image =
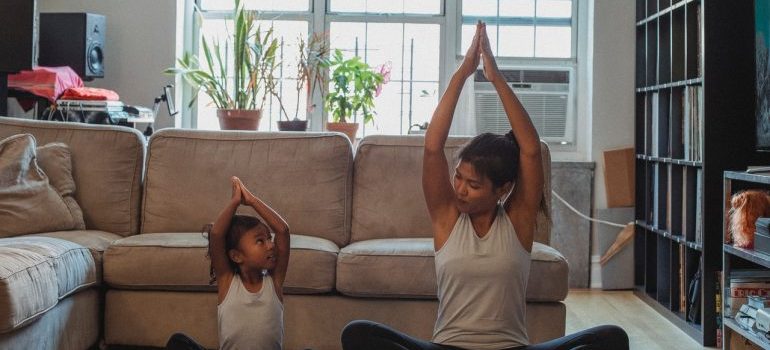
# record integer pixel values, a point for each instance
(320, 17)
(534, 60)
(438, 19)
(203, 15)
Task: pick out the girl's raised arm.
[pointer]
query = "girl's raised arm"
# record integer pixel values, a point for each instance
(217, 246)
(282, 237)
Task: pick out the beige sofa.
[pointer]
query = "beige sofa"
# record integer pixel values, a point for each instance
(50, 294)
(360, 236)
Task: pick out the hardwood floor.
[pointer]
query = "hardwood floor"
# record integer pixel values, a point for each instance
(646, 329)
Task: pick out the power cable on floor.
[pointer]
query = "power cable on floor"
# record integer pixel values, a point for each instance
(583, 215)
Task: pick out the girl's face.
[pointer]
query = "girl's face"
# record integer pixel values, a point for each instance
(255, 250)
(474, 193)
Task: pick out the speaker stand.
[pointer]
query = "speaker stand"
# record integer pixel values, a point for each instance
(3, 94)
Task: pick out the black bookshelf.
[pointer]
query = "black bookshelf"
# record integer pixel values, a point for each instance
(734, 258)
(694, 119)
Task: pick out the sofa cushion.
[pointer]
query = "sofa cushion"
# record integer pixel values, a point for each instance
(72, 263)
(35, 272)
(177, 261)
(405, 268)
(396, 267)
(96, 241)
(306, 177)
(28, 201)
(107, 163)
(312, 265)
(164, 261)
(387, 183)
(27, 287)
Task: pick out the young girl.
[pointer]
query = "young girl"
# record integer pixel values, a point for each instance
(483, 226)
(250, 268)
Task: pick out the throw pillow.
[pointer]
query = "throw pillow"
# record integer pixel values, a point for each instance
(28, 203)
(55, 160)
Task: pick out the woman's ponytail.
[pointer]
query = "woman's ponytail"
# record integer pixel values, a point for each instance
(510, 137)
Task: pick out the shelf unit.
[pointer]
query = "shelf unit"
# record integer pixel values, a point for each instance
(739, 258)
(694, 119)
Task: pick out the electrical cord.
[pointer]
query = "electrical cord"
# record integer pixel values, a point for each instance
(583, 215)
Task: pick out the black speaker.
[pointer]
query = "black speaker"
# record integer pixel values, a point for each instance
(18, 35)
(75, 40)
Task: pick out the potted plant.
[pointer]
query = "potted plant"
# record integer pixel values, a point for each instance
(238, 86)
(354, 87)
(312, 58)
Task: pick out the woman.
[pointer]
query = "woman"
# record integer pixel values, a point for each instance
(483, 226)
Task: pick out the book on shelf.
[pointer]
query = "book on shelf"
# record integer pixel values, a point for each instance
(718, 304)
(745, 283)
(656, 196)
(647, 124)
(676, 134)
(699, 206)
(663, 124)
(692, 123)
(682, 281)
(674, 200)
(688, 200)
(686, 129)
(655, 116)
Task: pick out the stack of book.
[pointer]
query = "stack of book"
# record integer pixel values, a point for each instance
(745, 283)
(762, 236)
(753, 316)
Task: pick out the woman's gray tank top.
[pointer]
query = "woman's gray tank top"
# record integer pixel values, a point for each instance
(250, 320)
(482, 284)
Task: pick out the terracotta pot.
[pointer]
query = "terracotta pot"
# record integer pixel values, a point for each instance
(292, 125)
(239, 119)
(349, 129)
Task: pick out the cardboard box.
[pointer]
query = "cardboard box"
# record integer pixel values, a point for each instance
(619, 177)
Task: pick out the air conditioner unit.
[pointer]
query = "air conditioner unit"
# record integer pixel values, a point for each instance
(546, 94)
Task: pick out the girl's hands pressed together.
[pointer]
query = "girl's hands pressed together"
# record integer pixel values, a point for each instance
(237, 196)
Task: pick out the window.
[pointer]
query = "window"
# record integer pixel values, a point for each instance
(409, 36)
(290, 20)
(404, 34)
(530, 28)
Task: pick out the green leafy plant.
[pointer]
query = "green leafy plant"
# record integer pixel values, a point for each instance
(354, 87)
(241, 81)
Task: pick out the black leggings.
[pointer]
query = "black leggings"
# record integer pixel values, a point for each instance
(180, 341)
(369, 335)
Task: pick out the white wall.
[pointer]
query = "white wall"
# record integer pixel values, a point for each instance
(613, 83)
(612, 124)
(141, 41)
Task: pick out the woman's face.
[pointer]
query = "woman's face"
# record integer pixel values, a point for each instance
(473, 192)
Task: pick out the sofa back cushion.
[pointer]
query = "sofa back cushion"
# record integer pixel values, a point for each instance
(306, 177)
(35, 198)
(106, 166)
(388, 201)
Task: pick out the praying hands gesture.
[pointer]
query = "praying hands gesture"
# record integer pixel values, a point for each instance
(480, 50)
